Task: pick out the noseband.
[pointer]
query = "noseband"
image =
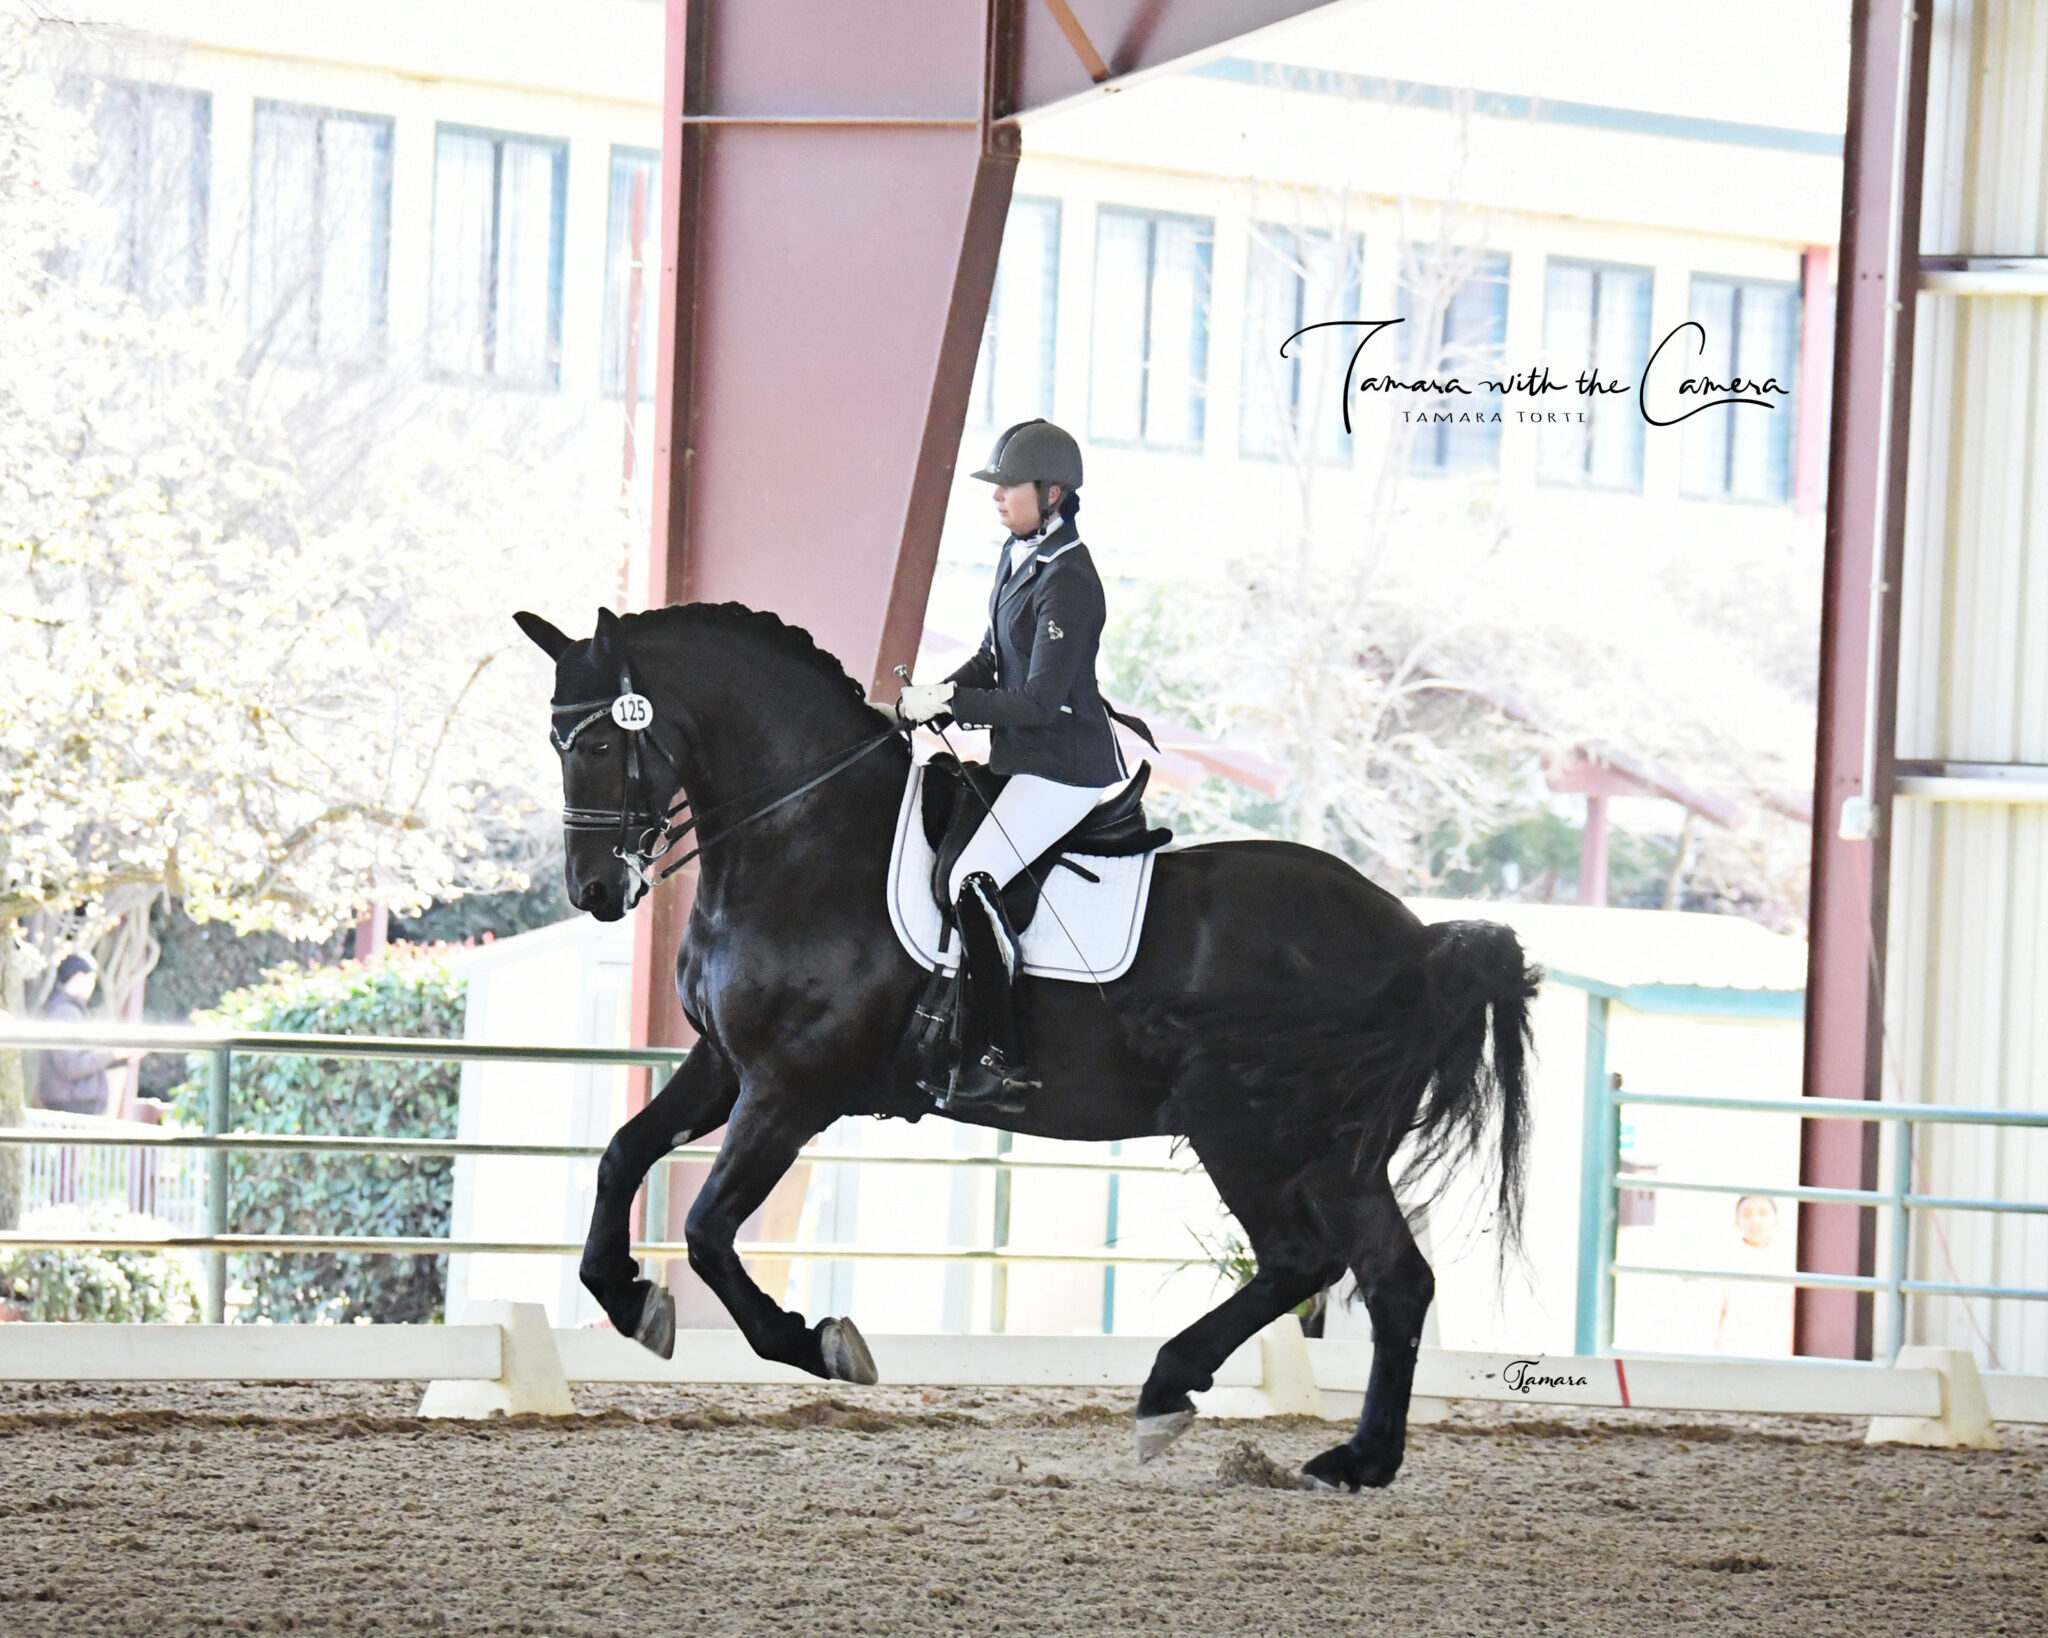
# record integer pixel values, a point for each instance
(641, 849)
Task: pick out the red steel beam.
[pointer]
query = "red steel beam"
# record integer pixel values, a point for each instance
(657, 1015)
(839, 180)
(834, 182)
(834, 185)
(1131, 38)
(1816, 335)
(1859, 649)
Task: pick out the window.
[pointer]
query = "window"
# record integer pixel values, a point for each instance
(1739, 452)
(319, 232)
(1595, 318)
(1456, 308)
(627, 164)
(1294, 405)
(1013, 377)
(150, 177)
(496, 304)
(1151, 346)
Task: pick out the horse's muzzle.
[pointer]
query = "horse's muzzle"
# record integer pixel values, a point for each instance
(596, 898)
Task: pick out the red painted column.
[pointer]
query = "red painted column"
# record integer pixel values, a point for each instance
(657, 1016)
(835, 180)
(1816, 376)
(1593, 853)
(839, 212)
(1865, 535)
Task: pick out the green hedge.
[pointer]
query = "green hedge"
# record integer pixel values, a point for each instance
(408, 992)
(101, 1287)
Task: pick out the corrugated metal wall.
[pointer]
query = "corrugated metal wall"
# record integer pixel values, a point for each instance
(1967, 966)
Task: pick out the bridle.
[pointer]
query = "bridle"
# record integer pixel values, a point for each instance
(646, 834)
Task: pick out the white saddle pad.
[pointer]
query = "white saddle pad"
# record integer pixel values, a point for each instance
(1083, 930)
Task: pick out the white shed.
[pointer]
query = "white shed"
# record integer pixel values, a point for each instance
(566, 985)
(1693, 1004)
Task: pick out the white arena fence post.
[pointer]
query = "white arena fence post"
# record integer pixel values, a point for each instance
(1964, 1419)
(529, 1380)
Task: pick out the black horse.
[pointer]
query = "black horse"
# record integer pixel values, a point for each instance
(1294, 1022)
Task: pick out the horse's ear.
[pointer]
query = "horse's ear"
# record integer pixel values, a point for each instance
(550, 641)
(609, 642)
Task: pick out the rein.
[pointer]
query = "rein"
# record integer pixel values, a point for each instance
(659, 832)
(832, 766)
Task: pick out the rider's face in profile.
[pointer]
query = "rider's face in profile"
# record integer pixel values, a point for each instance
(1017, 505)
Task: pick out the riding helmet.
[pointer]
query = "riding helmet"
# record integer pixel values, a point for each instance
(1035, 452)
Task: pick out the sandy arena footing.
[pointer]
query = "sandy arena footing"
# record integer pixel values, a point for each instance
(331, 1509)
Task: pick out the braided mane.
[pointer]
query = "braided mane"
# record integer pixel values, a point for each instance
(768, 630)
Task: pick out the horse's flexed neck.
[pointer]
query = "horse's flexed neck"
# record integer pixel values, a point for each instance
(759, 701)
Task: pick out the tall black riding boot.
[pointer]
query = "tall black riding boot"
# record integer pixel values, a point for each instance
(991, 1073)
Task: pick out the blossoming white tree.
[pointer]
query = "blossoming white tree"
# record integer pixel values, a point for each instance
(255, 646)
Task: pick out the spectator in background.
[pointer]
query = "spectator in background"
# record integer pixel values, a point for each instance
(1756, 1220)
(1755, 1317)
(74, 1079)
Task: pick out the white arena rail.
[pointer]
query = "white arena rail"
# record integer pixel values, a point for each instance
(515, 1363)
(249, 1353)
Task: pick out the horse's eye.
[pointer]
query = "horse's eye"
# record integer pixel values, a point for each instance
(600, 747)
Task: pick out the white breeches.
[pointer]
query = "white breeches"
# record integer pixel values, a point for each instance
(1029, 816)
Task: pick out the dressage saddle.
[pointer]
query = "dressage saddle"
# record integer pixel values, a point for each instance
(957, 796)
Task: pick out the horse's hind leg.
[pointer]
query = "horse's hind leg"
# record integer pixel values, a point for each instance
(1296, 1259)
(1395, 1280)
(697, 1099)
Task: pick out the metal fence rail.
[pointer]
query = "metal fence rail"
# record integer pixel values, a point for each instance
(219, 1140)
(1600, 1216)
(83, 1160)
(427, 1245)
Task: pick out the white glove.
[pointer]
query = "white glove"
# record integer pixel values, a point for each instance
(920, 702)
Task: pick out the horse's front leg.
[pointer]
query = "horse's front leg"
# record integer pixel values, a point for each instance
(761, 1144)
(697, 1099)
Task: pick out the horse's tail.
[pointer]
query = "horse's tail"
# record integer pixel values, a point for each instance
(1360, 1069)
(1477, 987)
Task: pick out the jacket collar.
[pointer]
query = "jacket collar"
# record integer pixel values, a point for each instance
(1050, 544)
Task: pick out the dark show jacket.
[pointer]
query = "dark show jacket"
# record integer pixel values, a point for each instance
(1032, 684)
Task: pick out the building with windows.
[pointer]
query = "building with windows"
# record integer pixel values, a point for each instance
(455, 184)
(452, 184)
(1336, 173)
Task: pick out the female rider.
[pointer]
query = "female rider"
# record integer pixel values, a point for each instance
(1032, 684)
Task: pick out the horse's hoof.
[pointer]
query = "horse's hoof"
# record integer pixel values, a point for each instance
(1341, 1466)
(1152, 1434)
(846, 1353)
(656, 1331)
